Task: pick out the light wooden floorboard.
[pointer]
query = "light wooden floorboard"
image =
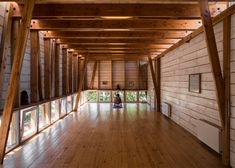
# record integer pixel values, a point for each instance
(101, 137)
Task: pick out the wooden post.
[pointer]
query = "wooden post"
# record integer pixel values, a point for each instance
(78, 69)
(111, 74)
(15, 28)
(57, 71)
(153, 76)
(98, 75)
(74, 72)
(53, 49)
(158, 80)
(214, 56)
(47, 69)
(5, 44)
(93, 75)
(70, 55)
(81, 82)
(40, 85)
(226, 70)
(34, 40)
(15, 74)
(64, 71)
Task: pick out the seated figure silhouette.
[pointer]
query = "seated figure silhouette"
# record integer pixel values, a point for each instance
(117, 102)
(24, 98)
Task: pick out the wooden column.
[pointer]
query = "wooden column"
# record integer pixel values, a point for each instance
(214, 56)
(70, 55)
(74, 73)
(47, 69)
(81, 82)
(34, 40)
(64, 71)
(79, 69)
(15, 74)
(15, 28)
(98, 75)
(5, 43)
(57, 71)
(153, 76)
(53, 50)
(226, 70)
(158, 80)
(93, 75)
(111, 74)
(40, 85)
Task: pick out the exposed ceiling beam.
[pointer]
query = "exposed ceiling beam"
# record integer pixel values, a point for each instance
(113, 25)
(107, 45)
(188, 11)
(116, 34)
(141, 41)
(117, 1)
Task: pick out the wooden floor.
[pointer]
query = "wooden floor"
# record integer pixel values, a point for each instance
(99, 136)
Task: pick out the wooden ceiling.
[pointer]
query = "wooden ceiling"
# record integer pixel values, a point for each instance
(117, 28)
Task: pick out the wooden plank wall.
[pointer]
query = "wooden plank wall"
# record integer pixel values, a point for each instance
(232, 149)
(190, 58)
(131, 75)
(8, 62)
(90, 67)
(105, 74)
(122, 73)
(118, 74)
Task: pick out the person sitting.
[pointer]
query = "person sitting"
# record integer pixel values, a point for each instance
(24, 98)
(117, 102)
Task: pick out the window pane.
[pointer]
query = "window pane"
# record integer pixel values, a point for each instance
(44, 115)
(104, 96)
(54, 110)
(63, 110)
(92, 96)
(13, 137)
(69, 104)
(131, 96)
(28, 122)
(142, 96)
(121, 94)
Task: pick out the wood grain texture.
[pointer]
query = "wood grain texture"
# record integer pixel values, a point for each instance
(15, 75)
(47, 68)
(103, 137)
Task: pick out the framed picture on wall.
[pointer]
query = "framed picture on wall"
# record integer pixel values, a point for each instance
(194, 83)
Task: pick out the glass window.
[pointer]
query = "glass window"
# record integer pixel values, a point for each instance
(69, 104)
(43, 115)
(104, 96)
(131, 96)
(92, 96)
(121, 94)
(63, 108)
(55, 109)
(143, 96)
(28, 122)
(13, 137)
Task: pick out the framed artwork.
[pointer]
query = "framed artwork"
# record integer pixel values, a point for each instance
(194, 83)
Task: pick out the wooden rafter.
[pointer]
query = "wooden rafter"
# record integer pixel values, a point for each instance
(117, 34)
(156, 24)
(15, 75)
